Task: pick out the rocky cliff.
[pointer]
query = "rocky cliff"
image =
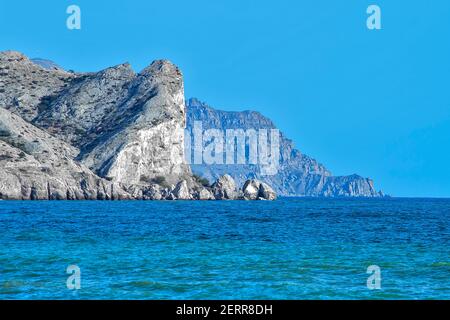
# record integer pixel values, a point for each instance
(298, 174)
(36, 165)
(112, 134)
(118, 134)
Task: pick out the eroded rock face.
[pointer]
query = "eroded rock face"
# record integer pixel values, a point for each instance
(87, 107)
(148, 139)
(24, 84)
(37, 166)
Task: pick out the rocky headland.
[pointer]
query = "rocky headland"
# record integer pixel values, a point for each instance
(118, 134)
(108, 135)
(298, 174)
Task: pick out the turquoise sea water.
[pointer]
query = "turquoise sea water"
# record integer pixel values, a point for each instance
(287, 249)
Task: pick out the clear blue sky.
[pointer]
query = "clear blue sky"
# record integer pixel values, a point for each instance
(375, 103)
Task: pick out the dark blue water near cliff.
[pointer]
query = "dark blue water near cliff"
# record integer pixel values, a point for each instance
(287, 249)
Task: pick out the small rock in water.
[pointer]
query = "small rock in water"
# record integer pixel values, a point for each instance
(225, 188)
(251, 189)
(181, 191)
(266, 192)
(257, 190)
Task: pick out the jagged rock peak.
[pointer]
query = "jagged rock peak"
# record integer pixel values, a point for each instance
(162, 66)
(235, 119)
(257, 190)
(196, 103)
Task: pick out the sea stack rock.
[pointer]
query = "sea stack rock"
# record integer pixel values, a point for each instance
(225, 188)
(181, 191)
(257, 190)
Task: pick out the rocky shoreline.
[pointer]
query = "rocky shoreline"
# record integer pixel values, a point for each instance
(108, 135)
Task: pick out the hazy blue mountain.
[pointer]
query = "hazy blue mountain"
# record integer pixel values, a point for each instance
(46, 64)
(298, 174)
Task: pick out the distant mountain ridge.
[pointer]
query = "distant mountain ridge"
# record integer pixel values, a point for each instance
(298, 174)
(46, 64)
